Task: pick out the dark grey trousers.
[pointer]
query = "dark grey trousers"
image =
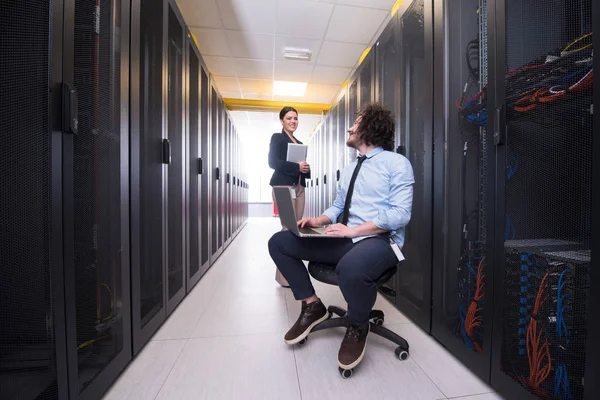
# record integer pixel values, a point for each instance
(358, 267)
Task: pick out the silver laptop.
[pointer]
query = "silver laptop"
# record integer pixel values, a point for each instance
(283, 197)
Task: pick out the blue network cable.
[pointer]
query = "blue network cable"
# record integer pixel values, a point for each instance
(562, 388)
(561, 325)
(509, 232)
(466, 339)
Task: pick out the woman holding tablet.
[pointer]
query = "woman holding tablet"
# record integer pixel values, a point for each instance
(288, 174)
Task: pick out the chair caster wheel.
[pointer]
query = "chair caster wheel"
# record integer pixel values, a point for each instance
(378, 321)
(401, 353)
(303, 342)
(346, 373)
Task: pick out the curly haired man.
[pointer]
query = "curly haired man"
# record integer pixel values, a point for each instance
(374, 201)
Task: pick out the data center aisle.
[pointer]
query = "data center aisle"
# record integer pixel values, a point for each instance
(225, 341)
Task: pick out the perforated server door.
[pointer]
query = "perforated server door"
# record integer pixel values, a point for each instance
(414, 286)
(543, 215)
(147, 195)
(96, 188)
(175, 174)
(332, 155)
(462, 278)
(341, 138)
(214, 162)
(221, 133)
(387, 73)
(193, 199)
(387, 82)
(32, 337)
(352, 110)
(205, 146)
(228, 186)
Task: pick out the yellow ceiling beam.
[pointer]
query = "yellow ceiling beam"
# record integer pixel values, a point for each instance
(274, 106)
(364, 55)
(396, 7)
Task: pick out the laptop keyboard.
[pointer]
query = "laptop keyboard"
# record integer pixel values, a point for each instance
(308, 231)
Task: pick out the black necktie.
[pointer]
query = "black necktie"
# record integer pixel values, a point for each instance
(351, 189)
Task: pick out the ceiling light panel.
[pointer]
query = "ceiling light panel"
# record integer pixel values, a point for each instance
(287, 88)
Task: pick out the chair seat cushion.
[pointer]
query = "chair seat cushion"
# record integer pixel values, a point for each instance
(326, 273)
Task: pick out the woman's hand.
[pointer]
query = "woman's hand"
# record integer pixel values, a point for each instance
(304, 167)
(340, 230)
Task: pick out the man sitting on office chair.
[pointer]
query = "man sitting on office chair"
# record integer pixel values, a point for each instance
(374, 200)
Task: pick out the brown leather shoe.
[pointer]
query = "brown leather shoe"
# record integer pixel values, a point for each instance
(353, 346)
(310, 316)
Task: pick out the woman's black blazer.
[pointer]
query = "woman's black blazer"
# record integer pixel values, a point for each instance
(286, 173)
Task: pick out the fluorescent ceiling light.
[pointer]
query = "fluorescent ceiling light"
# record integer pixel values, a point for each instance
(297, 54)
(284, 88)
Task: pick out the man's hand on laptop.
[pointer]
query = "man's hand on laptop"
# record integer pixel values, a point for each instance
(313, 222)
(340, 230)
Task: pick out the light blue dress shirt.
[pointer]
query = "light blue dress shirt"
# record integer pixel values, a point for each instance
(383, 194)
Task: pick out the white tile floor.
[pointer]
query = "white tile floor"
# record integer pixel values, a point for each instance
(225, 341)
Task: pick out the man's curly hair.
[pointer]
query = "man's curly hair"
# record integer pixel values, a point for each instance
(377, 126)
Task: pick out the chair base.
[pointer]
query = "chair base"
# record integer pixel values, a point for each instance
(376, 318)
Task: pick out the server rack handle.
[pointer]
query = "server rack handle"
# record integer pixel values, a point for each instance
(227, 177)
(325, 179)
(200, 167)
(166, 151)
(337, 175)
(217, 173)
(70, 109)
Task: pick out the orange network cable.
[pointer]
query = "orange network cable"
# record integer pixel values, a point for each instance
(539, 356)
(472, 320)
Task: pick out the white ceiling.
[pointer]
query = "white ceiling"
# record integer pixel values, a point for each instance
(242, 42)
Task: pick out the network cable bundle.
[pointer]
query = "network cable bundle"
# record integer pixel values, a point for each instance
(471, 268)
(544, 82)
(545, 301)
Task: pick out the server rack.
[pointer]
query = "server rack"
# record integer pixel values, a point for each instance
(542, 95)
(387, 92)
(462, 278)
(33, 361)
(96, 195)
(205, 164)
(175, 158)
(195, 122)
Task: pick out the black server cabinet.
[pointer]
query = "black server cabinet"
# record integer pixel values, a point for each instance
(352, 110)
(205, 170)
(416, 138)
(387, 93)
(194, 169)
(158, 159)
(387, 71)
(462, 278)
(175, 158)
(227, 151)
(215, 125)
(342, 130)
(33, 354)
(332, 154)
(592, 369)
(366, 77)
(542, 124)
(96, 195)
(222, 115)
(147, 193)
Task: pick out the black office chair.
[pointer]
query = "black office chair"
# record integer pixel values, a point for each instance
(326, 273)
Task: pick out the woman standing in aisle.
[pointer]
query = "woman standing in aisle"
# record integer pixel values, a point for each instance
(288, 174)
